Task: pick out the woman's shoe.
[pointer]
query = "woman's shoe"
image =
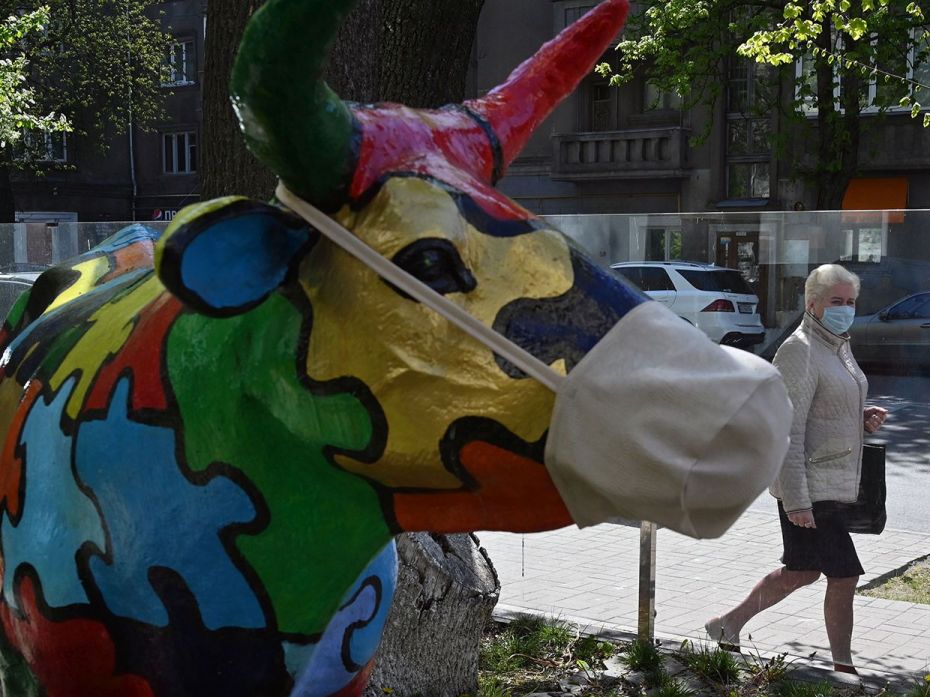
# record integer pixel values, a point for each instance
(718, 631)
(843, 668)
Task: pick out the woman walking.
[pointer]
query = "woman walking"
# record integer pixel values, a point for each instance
(823, 464)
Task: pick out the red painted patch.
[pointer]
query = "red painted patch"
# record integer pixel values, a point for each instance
(73, 658)
(447, 145)
(11, 466)
(142, 354)
(514, 493)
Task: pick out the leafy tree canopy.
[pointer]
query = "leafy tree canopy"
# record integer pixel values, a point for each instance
(18, 110)
(823, 59)
(686, 45)
(100, 63)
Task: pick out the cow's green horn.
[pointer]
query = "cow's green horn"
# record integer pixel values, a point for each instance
(292, 121)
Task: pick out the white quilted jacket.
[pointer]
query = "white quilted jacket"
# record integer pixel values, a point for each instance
(827, 390)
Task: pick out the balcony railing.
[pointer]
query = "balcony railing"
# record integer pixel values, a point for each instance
(627, 154)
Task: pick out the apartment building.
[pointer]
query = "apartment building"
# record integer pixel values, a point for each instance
(144, 175)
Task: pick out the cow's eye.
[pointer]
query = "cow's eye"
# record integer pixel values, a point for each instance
(437, 263)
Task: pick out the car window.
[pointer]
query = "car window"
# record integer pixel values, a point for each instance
(647, 277)
(916, 307)
(656, 278)
(720, 281)
(633, 274)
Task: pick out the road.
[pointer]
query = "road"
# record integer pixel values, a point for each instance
(906, 434)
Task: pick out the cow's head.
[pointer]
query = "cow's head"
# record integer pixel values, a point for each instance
(457, 433)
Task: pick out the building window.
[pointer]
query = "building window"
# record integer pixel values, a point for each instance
(655, 99)
(47, 147)
(748, 148)
(179, 63)
(572, 14)
(601, 95)
(179, 152)
(876, 90)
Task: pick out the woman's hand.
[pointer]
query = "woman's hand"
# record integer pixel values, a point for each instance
(803, 519)
(873, 418)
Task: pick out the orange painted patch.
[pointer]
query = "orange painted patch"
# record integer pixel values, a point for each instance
(15, 406)
(136, 256)
(514, 493)
(142, 355)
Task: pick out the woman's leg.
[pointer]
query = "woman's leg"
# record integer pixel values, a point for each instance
(770, 590)
(838, 617)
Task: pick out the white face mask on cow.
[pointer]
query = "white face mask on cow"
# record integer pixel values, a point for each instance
(655, 423)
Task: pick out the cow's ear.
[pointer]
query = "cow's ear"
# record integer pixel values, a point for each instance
(223, 257)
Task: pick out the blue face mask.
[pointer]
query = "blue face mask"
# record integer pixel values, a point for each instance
(838, 319)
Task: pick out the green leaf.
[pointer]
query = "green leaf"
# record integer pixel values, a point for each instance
(857, 28)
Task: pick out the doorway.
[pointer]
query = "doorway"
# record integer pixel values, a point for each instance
(739, 249)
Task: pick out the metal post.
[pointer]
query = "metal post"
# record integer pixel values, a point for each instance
(647, 581)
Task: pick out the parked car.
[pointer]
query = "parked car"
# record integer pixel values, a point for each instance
(896, 337)
(715, 299)
(14, 283)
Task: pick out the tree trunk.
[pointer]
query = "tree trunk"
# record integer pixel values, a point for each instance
(411, 51)
(7, 203)
(227, 167)
(415, 52)
(838, 132)
(446, 591)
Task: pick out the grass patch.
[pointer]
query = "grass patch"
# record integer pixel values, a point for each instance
(912, 586)
(536, 655)
(824, 688)
(712, 663)
(532, 654)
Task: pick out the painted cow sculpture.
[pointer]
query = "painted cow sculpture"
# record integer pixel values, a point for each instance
(212, 437)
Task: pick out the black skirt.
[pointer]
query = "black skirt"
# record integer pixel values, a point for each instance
(828, 548)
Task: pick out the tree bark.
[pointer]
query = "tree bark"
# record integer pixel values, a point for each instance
(838, 132)
(446, 591)
(415, 52)
(7, 202)
(227, 167)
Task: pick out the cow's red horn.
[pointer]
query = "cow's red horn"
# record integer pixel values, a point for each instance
(534, 89)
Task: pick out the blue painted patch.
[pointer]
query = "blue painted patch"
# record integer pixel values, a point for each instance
(238, 261)
(357, 627)
(124, 237)
(158, 518)
(57, 517)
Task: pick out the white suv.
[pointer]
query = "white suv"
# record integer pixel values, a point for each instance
(715, 299)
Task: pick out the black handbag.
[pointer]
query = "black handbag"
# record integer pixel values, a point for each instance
(867, 515)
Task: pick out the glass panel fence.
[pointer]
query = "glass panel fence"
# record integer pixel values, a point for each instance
(595, 576)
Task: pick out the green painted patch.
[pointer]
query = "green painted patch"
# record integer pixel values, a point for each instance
(16, 678)
(239, 396)
(19, 307)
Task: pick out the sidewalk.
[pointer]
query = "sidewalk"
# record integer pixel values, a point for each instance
(591, 577)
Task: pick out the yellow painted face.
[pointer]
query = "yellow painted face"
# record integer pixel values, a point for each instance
(424, 372)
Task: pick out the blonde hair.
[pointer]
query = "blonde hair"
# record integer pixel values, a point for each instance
(823, 278)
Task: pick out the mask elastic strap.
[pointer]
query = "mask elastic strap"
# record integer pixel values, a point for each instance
(392, 273)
